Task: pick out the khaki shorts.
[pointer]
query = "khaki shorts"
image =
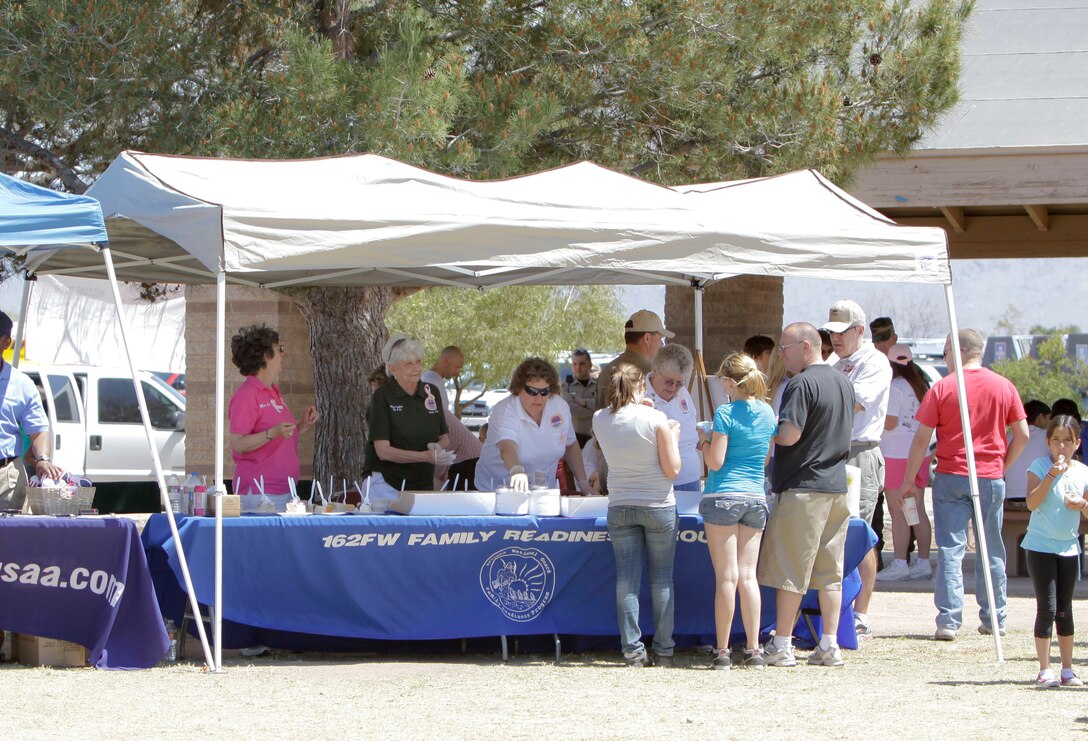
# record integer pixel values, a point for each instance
(13, 485)
(871, 462)
(805, 541)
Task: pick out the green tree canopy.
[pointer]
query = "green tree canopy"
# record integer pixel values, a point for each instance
(497, 329)
(1052, 376)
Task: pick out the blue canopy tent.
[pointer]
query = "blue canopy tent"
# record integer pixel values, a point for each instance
(34, 218)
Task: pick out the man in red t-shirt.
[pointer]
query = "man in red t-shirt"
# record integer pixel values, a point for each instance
(993, 405)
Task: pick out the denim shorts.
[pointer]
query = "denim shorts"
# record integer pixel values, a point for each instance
(733, 509)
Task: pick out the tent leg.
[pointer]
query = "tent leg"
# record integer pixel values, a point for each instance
(983, 557)
(220, 382)
(24, 309)
(156, 462)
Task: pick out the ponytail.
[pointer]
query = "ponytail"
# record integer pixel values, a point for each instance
(743, 371)
(626, 382)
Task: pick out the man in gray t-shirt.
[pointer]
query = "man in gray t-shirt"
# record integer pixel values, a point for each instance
(806, 533)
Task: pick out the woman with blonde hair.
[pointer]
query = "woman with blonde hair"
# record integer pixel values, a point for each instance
(640, 446)
(734, 504)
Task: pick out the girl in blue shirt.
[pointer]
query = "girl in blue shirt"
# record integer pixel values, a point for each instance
(734, 505)
(1056, 487)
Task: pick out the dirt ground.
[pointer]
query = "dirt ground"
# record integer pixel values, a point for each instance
(900, 684)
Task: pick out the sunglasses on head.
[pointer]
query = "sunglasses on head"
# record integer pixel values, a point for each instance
(532, 391)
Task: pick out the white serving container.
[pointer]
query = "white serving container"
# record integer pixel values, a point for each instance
(583, 507)
(544, 502)
(687, 502)
(444, 503)
(510, 502)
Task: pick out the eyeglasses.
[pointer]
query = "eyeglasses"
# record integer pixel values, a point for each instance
(670, 383)
(782, 348)
(282, 349)
(533, 391)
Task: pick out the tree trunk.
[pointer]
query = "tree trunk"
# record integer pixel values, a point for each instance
(347, 331)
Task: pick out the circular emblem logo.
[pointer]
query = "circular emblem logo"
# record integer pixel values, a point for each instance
(557, 420)
(684, 406)
(518, 581)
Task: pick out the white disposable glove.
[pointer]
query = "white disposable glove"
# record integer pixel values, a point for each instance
(442, 457)
(583, 488)
(518, 480)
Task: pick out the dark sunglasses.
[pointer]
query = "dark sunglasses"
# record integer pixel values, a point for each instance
(531, 391)
(282, 349)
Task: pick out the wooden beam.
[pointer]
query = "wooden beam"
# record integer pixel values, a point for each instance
(1012, 236)
(954, 214)
(1039, 215)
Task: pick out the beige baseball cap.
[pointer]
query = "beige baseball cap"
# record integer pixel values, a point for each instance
(645, 320)
(842, 315)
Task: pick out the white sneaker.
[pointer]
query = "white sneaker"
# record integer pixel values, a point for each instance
(898, 571)
(945, 634)
(921, 569)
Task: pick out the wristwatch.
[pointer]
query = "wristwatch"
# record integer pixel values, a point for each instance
(39, 458)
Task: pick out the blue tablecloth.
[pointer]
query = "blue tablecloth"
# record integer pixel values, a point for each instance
(82, 580)
(419, 578)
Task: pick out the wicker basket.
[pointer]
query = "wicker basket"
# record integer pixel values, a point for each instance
(60, 501)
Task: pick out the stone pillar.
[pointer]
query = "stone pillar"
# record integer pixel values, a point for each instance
(244, 306)
(733, 310)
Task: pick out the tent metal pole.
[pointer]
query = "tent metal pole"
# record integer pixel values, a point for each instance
(698, 319)
(156, 462)
(982, 560)
(24, 309)
(220, 382)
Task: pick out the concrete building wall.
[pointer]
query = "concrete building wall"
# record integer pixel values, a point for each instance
(244, 306)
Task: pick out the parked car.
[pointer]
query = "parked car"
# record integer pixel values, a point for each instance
(96, 424)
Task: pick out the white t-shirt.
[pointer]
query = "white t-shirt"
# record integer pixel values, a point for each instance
(902, 404)
(540, 447)
(628, 440)
(870, 373)
(682, 409)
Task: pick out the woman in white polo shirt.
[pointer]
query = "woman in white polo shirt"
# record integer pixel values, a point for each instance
(529, 432)
(666, 387)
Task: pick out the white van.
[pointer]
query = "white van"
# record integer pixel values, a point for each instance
(97, 430)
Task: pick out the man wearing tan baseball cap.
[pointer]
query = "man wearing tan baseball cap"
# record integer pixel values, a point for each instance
(643, 333)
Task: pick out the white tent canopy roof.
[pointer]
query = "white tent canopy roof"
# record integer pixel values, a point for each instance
(369, 220)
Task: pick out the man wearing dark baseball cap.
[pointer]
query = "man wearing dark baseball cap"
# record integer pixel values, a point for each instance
(643, 333)
(883, 331)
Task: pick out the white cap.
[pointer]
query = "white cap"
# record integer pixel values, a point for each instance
(842, 315)
(645, 320)
(900, 354)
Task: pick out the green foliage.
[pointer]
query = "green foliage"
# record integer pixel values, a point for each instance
(1067, 329)
(674, 92)
(1053, 375)
(498, 328)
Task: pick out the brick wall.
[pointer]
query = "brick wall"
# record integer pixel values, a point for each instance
(733, 310)
(244, 306)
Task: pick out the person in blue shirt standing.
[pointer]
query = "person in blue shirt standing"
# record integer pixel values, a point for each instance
(734, 505)
(1056, 497)
(21, 412)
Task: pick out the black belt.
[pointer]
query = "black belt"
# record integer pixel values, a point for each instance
(8, 460)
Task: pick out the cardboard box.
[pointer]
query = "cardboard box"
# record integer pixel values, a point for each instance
(444, 503)
(37, 651)
(232, 505)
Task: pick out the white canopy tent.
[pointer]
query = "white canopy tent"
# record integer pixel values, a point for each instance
(368, 220)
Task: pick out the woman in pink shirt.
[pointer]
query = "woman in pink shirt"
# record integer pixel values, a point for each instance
(263, 438)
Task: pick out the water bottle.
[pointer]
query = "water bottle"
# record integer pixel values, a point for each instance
(190, 493)
(172, 634)
(200, 499)
(173, 491)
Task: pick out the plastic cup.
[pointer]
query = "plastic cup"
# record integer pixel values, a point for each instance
(910, 511)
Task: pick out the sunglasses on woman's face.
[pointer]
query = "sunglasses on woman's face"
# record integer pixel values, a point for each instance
(532, 391)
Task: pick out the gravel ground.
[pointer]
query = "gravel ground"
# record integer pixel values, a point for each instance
(900, 684)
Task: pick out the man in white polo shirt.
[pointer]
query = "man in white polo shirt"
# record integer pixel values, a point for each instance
(870, 375)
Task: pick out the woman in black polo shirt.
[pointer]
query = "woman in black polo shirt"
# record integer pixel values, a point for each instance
(408, 435)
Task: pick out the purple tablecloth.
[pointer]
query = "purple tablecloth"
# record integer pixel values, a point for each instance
(82, 580)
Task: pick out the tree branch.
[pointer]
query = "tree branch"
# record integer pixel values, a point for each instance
(67, 175)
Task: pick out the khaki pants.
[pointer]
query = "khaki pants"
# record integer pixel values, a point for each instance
(13, 484)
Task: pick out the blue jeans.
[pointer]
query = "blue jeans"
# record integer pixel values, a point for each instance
(953, 512)
(638, 533)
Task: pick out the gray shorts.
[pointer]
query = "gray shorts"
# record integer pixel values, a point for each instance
(735, 509)
(871, 462)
